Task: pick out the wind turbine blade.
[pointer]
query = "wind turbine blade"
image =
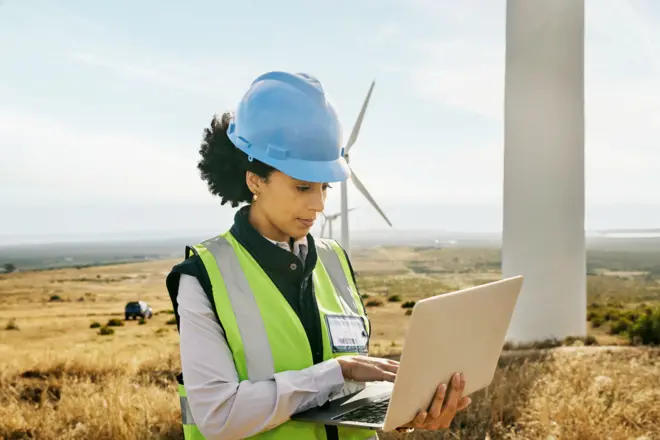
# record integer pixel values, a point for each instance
(358, 122)
(365, 193)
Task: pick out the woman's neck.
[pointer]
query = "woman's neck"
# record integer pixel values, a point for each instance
(262, 225)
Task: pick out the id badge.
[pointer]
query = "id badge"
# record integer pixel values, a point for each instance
(348, 334)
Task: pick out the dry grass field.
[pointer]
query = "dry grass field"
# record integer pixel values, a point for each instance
(61, 379)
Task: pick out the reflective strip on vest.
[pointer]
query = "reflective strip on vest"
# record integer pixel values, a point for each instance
(258, 356)
(332, 265)
(186, 413)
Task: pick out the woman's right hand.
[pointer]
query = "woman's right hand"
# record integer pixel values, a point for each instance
(368, 369)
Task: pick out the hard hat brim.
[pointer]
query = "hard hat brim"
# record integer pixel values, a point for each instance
(312, 171)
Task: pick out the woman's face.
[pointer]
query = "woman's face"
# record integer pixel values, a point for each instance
(286, 207)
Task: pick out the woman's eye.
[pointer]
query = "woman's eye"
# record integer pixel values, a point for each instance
(305, 188)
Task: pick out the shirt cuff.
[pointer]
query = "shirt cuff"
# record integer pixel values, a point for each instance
(329, 380)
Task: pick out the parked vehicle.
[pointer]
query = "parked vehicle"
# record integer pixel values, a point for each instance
(135, 309)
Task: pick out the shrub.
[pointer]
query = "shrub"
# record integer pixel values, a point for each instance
(408, 312)
(95, 324)
(11, 325)
(620, 326)
(114, 322)
(408, 305)
(54, 298)
(374, 303)
(105, 331)
(172, 321)
(394, 298)
(611, 315)
(142, 321)
(364, 296)
(597, 321)
(590, 340)
(646, 330)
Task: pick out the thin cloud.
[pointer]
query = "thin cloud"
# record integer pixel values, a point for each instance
(59, 160)
(166, 76)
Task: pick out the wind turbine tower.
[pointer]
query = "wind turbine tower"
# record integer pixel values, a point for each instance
(543, 224)
(345, 236)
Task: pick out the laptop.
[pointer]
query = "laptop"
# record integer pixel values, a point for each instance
(462, 331)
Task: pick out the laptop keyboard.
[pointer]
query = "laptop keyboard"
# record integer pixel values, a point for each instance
(372, 413)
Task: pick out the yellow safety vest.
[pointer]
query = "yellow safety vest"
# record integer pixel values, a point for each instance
(248, 303)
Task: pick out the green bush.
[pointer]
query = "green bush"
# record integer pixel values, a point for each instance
(95, 324)
(11, 325)
(374, 302)
(589, 340)
(105, 331)
(620, 326)
(408, 305)
(597, 321)
(611, 315)
(114, 322)
(646, 330)
(394, 298)
(142, 321)
(172, 321)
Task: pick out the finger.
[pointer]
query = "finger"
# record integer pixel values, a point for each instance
(436, 404)
(464, 403)
(418, 422)
(380, 361)
(386, 376)
(451, 401)
(381, 364)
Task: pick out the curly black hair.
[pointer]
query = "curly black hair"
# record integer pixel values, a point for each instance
(223, 166)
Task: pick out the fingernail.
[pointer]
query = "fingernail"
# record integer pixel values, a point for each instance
(456, 378)
(442, 388)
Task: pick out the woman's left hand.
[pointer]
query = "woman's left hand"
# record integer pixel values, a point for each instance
(442, 410)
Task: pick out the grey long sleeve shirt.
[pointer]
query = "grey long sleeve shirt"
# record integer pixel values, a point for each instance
(222, 407)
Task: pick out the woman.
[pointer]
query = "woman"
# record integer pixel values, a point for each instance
(256, 307)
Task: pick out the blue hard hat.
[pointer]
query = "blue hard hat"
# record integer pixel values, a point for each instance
(286, 120)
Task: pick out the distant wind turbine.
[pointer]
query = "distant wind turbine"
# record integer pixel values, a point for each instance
(345, 237)
(328, 219)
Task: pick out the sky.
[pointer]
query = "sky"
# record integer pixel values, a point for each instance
(102, 107)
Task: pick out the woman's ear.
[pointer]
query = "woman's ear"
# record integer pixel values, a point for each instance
(253, 182)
